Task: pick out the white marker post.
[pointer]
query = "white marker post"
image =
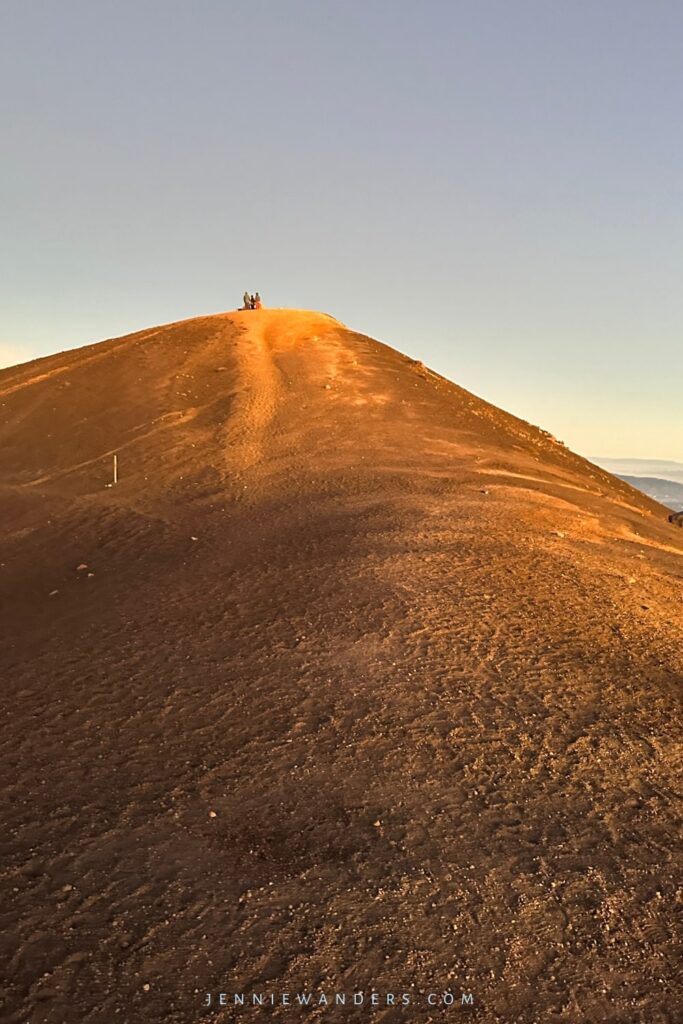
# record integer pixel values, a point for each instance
(116, 469)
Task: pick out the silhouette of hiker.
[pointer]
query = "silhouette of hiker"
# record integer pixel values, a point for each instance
(257, 301)
(246, 299)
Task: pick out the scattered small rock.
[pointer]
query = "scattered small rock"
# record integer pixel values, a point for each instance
(82, 567)
(212, 814)
(79, 957)
(53, 593)
(33, 868)
(46, 992)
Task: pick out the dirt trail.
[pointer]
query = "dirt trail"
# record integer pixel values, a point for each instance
(265, 336)
(258, 393)
(353, 681)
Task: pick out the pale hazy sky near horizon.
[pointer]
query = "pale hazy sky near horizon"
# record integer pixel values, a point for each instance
(495, 188)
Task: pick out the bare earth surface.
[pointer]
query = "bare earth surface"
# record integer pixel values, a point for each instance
(366, 684)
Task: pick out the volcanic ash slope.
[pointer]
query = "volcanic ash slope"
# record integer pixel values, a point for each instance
(351, 680)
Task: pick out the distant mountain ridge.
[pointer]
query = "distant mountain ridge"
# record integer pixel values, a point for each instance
(659, 469)
(668, 492)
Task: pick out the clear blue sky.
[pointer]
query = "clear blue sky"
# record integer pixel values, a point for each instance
(493, 186)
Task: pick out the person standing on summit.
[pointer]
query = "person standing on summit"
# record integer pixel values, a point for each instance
(251, 301)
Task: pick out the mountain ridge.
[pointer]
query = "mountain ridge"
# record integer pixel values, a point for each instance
(666, 469)
(72, 360)
(351, 681)
(666, 492)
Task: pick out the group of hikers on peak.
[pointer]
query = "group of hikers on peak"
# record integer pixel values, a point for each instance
(251, 301)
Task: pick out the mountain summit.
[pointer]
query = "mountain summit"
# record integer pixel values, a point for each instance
(350, 681)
